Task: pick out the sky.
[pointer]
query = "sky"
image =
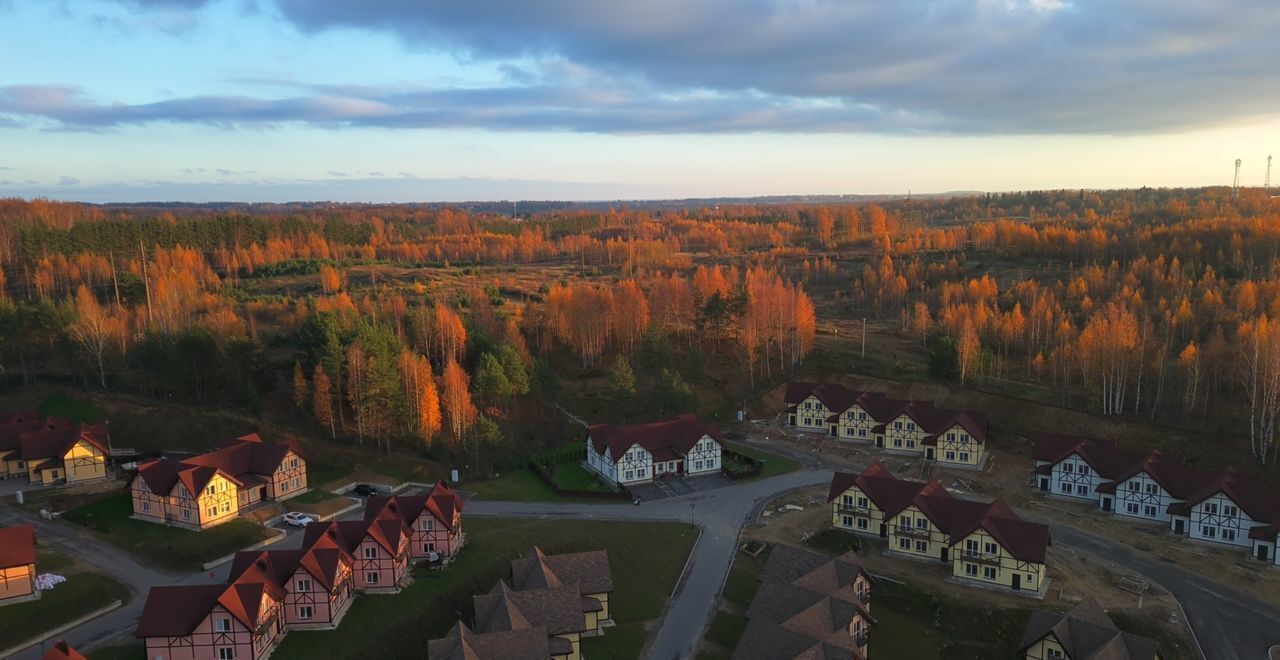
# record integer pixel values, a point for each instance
(456, 100)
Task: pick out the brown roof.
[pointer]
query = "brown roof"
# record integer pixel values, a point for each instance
(13, 425)
(17, 546)
(349, 534)
(176, 611)
(1087, 633)
(665, 440)
(834, 396)
(558, 610)
(244, 460)
(1255, 498)
(802, 609)
(54, 437)
(589, 571)
(462, 644)
(442, 503)
(62, 651)
(890, 494)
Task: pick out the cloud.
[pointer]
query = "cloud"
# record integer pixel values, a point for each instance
(960, 66)
(65, 180)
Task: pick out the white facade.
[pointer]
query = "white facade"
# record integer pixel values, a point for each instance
(704, 457)
(1142, 497)
(1220, 520)
(1073, 477)
(602, 464)
(636, 465)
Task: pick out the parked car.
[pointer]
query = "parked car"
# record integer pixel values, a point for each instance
(365, 490)
(297, 519)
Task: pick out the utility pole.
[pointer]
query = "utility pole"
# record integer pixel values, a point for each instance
(1266, 185)
(146, 281)
(1235, 186)
(114, 282)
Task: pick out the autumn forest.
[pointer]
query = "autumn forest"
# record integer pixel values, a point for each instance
(442, 329)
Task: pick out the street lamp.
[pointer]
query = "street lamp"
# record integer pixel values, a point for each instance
(691, 505)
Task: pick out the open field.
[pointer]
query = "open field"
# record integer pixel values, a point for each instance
(85, 590)
(398, 626)
(160, 545)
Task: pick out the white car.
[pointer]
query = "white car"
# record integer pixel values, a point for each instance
(297, 519)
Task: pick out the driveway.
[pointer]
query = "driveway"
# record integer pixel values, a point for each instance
(676, 486)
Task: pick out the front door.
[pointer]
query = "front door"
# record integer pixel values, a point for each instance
(1263, 553)
(1044, 484)
(1017, 581)
(1106, 504)
(1177, 527)
(944, 554)
(262, 494)
(884, 532)
(928, 453)
(792, 419)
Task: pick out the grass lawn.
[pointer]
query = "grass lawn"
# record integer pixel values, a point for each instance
(126, 651)
(726, 629)
(522, 486)
(913, 623)
(313, 496)
(834, 541)
(774, 465)
(63, 405)
(399, 626)
(167, 547)
(83, 592)
(730, 621)
(572, 476)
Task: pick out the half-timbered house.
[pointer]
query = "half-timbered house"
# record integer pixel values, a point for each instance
(1150, 488)
(1226, 510)
(50, 450)
(808, 606)
(237, 621)
(317, 580)
(523, 643)
(379, 548)
(434, 520)
(557, 610)
(588, 572)
(212, 488)
(17, 564)
(863, 503)
(634, 454)
(1266, 542)
(1074, 466)
(1083, 633)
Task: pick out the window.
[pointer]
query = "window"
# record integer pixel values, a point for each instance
(304, 585)
(1133, 486)
(631, 474)
(142, 483)
(1230, 510)
(951, 437)
(847, 500)
(213, 512)
(146, 506)
(862, 523)
(964, 456)
(862, 502)
(1228, 534)
(989, 572)
(226, 507)
(697, 465)
(848, 431)
(1211, 508)
(1082, 489)
(304, 612)
(897, 442)
(1069, 468)
(186, 514)
(1152, 489)
(429, 547)
(971, 547)
(1149, 511)
(211, 489)
(991, 549)
(904, 544)
(294, 463)
(922, 523)
(226, 653)
(846, 521)
(862, 433)
(862, 416)
(951, 456)
(370, 552)
(971, 570)
(371, 577)
(1084, 470)
(897, 425)
(1208, 531)
(1031, 579)
(1064, 486)
(1055, 654)
(911, 444)
(428, 524)
(922, 546)
(911, 426)
(1131, 507)
(222, 624)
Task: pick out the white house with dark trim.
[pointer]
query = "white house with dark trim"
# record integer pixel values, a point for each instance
(623, 455)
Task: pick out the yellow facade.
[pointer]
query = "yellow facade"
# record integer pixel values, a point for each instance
(856, 424)
(812, 414)
(84, 462)
(957, 447)
(903, 434)
(576, 640)
(603, 615)
(217, 502)
(912, 533)
(17, 582)
(1047, 648)
(981, 558)
(853, 506)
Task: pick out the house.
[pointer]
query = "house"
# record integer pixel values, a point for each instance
(1266, 542)
(213, 488)
(236, 621)
(17, 564)
(516, 644)
(379, 547)
(62, 651)
(955, 438)
(558, 611)
(1149, 488)
(551, 602)
(434, 520)
(1083, 633)
(1225, 509)
(317, 580)
(1074, 466)
(588, 572)
(623, 455)
(808, 606)
(52, 450)
(983, 542)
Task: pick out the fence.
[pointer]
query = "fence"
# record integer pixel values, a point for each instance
(546, 473)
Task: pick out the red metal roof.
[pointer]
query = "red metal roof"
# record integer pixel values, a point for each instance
(442, 502)
(62, 651)
(17, 546)
(678, 435)
(242, 460)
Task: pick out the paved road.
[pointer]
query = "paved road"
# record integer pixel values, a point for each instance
(720, 513)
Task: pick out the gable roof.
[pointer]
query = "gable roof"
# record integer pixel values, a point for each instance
(1260, 502)
(62, 651)
(558, 610)
(589, 571)
(49, 438)
(836, 397)
(242, 460)
(1087, 633)
(175, 611)
(387, 532)
(463, 644)
(17, 546)
(890, 494)
(670, 437)
(14, 425)
(442, 503)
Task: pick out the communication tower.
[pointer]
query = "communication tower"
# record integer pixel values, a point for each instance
(1235, 186)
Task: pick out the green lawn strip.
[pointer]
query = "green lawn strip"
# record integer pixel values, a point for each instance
(168, 547)
(523, 486)
(313, 496)
(774, 464)
(744, 579)
(912, 623)
(572, 476)
(62, 405)
(834, 541)
(82, 593)
(621, 642)
(129, 651)
(399, 626)
(49, 561)
(1174, 643)
(726, 629)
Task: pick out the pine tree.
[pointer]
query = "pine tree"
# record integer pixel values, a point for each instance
(622, 379)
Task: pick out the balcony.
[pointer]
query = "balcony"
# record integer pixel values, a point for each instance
(980, 558)
(855, 509)
(912, 532)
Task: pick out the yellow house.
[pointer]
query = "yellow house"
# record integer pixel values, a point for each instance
(50, 451)
(17, 564)
(1081, 633)
(588, 571)
(865, 503)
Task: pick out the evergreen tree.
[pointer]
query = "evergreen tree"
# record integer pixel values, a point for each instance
(622, 380)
